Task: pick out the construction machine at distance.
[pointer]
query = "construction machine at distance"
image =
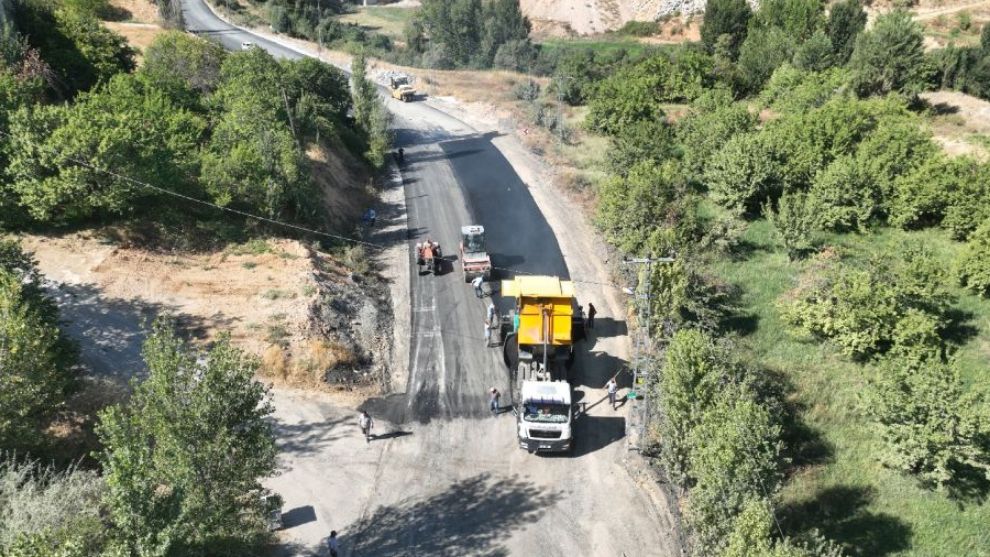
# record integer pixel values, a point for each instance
(538, 350)
(474, 259)
(401, 87)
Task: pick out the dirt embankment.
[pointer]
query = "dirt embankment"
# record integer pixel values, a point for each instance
(301, 311)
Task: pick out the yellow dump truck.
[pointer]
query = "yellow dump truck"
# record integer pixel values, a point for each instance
(538, 348)
(401, 88)
(539, 332)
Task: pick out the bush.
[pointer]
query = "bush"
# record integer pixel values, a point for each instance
(515, 55)
(795, 222)
(973, 265)
(744, 174)
(704, 131)
(648, 201)
(845, 198)
(931, 428)
(528, 90)
(927, 194)
(643, 141)
(736, 456)
(195, 62)
(639, 28)
(41, 504)
(814, 54)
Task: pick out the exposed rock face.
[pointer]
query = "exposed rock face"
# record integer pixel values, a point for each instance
(597, 16)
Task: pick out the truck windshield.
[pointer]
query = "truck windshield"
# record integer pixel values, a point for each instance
(474, 243)
(547, 413)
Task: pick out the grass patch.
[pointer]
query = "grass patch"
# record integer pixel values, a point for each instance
(249, 265)
(838, 484)
(275, 294)
(382, 19)
(601, 45)
(254, 246)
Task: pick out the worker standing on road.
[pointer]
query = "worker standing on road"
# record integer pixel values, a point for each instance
(476, 283)
(488, 333)
(613, 388)
(591, 315)
(332, 543)
(367, 424)
(493, 401)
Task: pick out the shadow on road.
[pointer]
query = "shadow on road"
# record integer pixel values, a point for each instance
(311, 437)
(593, 433)
(298, 516)
(472, 517)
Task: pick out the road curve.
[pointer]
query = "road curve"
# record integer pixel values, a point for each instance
(444, 478)
(451, 179)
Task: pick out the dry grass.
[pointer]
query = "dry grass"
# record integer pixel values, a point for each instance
(306, 364)
(136, 11)
(138, 35)
(960, 123)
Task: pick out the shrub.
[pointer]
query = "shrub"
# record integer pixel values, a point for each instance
(744, 174)
(973, 265)
(764, 50)
(897, 146)
(844, 198)
(795, 222)
(528, 90)
(814, 54)
(931, 428)
(925, 195)
(643, 141)
(736, 456)
(515, 55)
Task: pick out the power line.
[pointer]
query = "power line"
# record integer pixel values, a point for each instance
(202, 201)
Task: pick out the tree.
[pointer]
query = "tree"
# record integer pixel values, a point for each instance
(725, 17)
(504, 23)
(846, 20)
(845, 198)
(799, 19)
(370, 114)
(765, 50)
(736, 456)
(743, 174)
(127, 126)
(932, 429)
(185, 454)
(711, 123)
(924, 196)
(456, 26)
(814, 54)
(74, 43)
(647, 140)
(694, 371)
(973, 265)
(890, 56)
(194, 61)
(35, 358)
(795, 221)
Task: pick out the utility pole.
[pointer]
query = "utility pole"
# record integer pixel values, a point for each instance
(642, 344)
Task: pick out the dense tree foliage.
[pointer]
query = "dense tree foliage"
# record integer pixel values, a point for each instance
(795, 220)
(35, 359)
(455, 33)
(890, 56)
(973, 266)
(932, 429)
(725, 18)
(846, 19)
(184, 456)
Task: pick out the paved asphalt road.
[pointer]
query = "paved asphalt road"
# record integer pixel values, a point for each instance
(451, 180)
(438, 479)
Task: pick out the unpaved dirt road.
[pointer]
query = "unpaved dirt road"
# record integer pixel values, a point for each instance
(442, 476)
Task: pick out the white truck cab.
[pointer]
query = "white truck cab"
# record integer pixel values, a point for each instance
(545, 416)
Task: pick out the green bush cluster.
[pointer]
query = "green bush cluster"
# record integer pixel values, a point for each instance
(232, 129)
(973, 267)
(868, 310)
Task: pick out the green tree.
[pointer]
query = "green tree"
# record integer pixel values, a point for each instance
(814, 54)
(456, 26)
(80, 50)
(370, 114)
(128, 127)
(765, 50)
(890, 56)
(710, 124)
(647, 140)
(799, 19)
(194, 61)
(933, 430)
(736, 456)
(725, 17)
(795, 222)
(846, 20)
(744, 174)
(844, 197)
(973, 265)
(185, 454)
(694, 371)
(504, 23)
(924, 196)
(897, 146)
(35, 358)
